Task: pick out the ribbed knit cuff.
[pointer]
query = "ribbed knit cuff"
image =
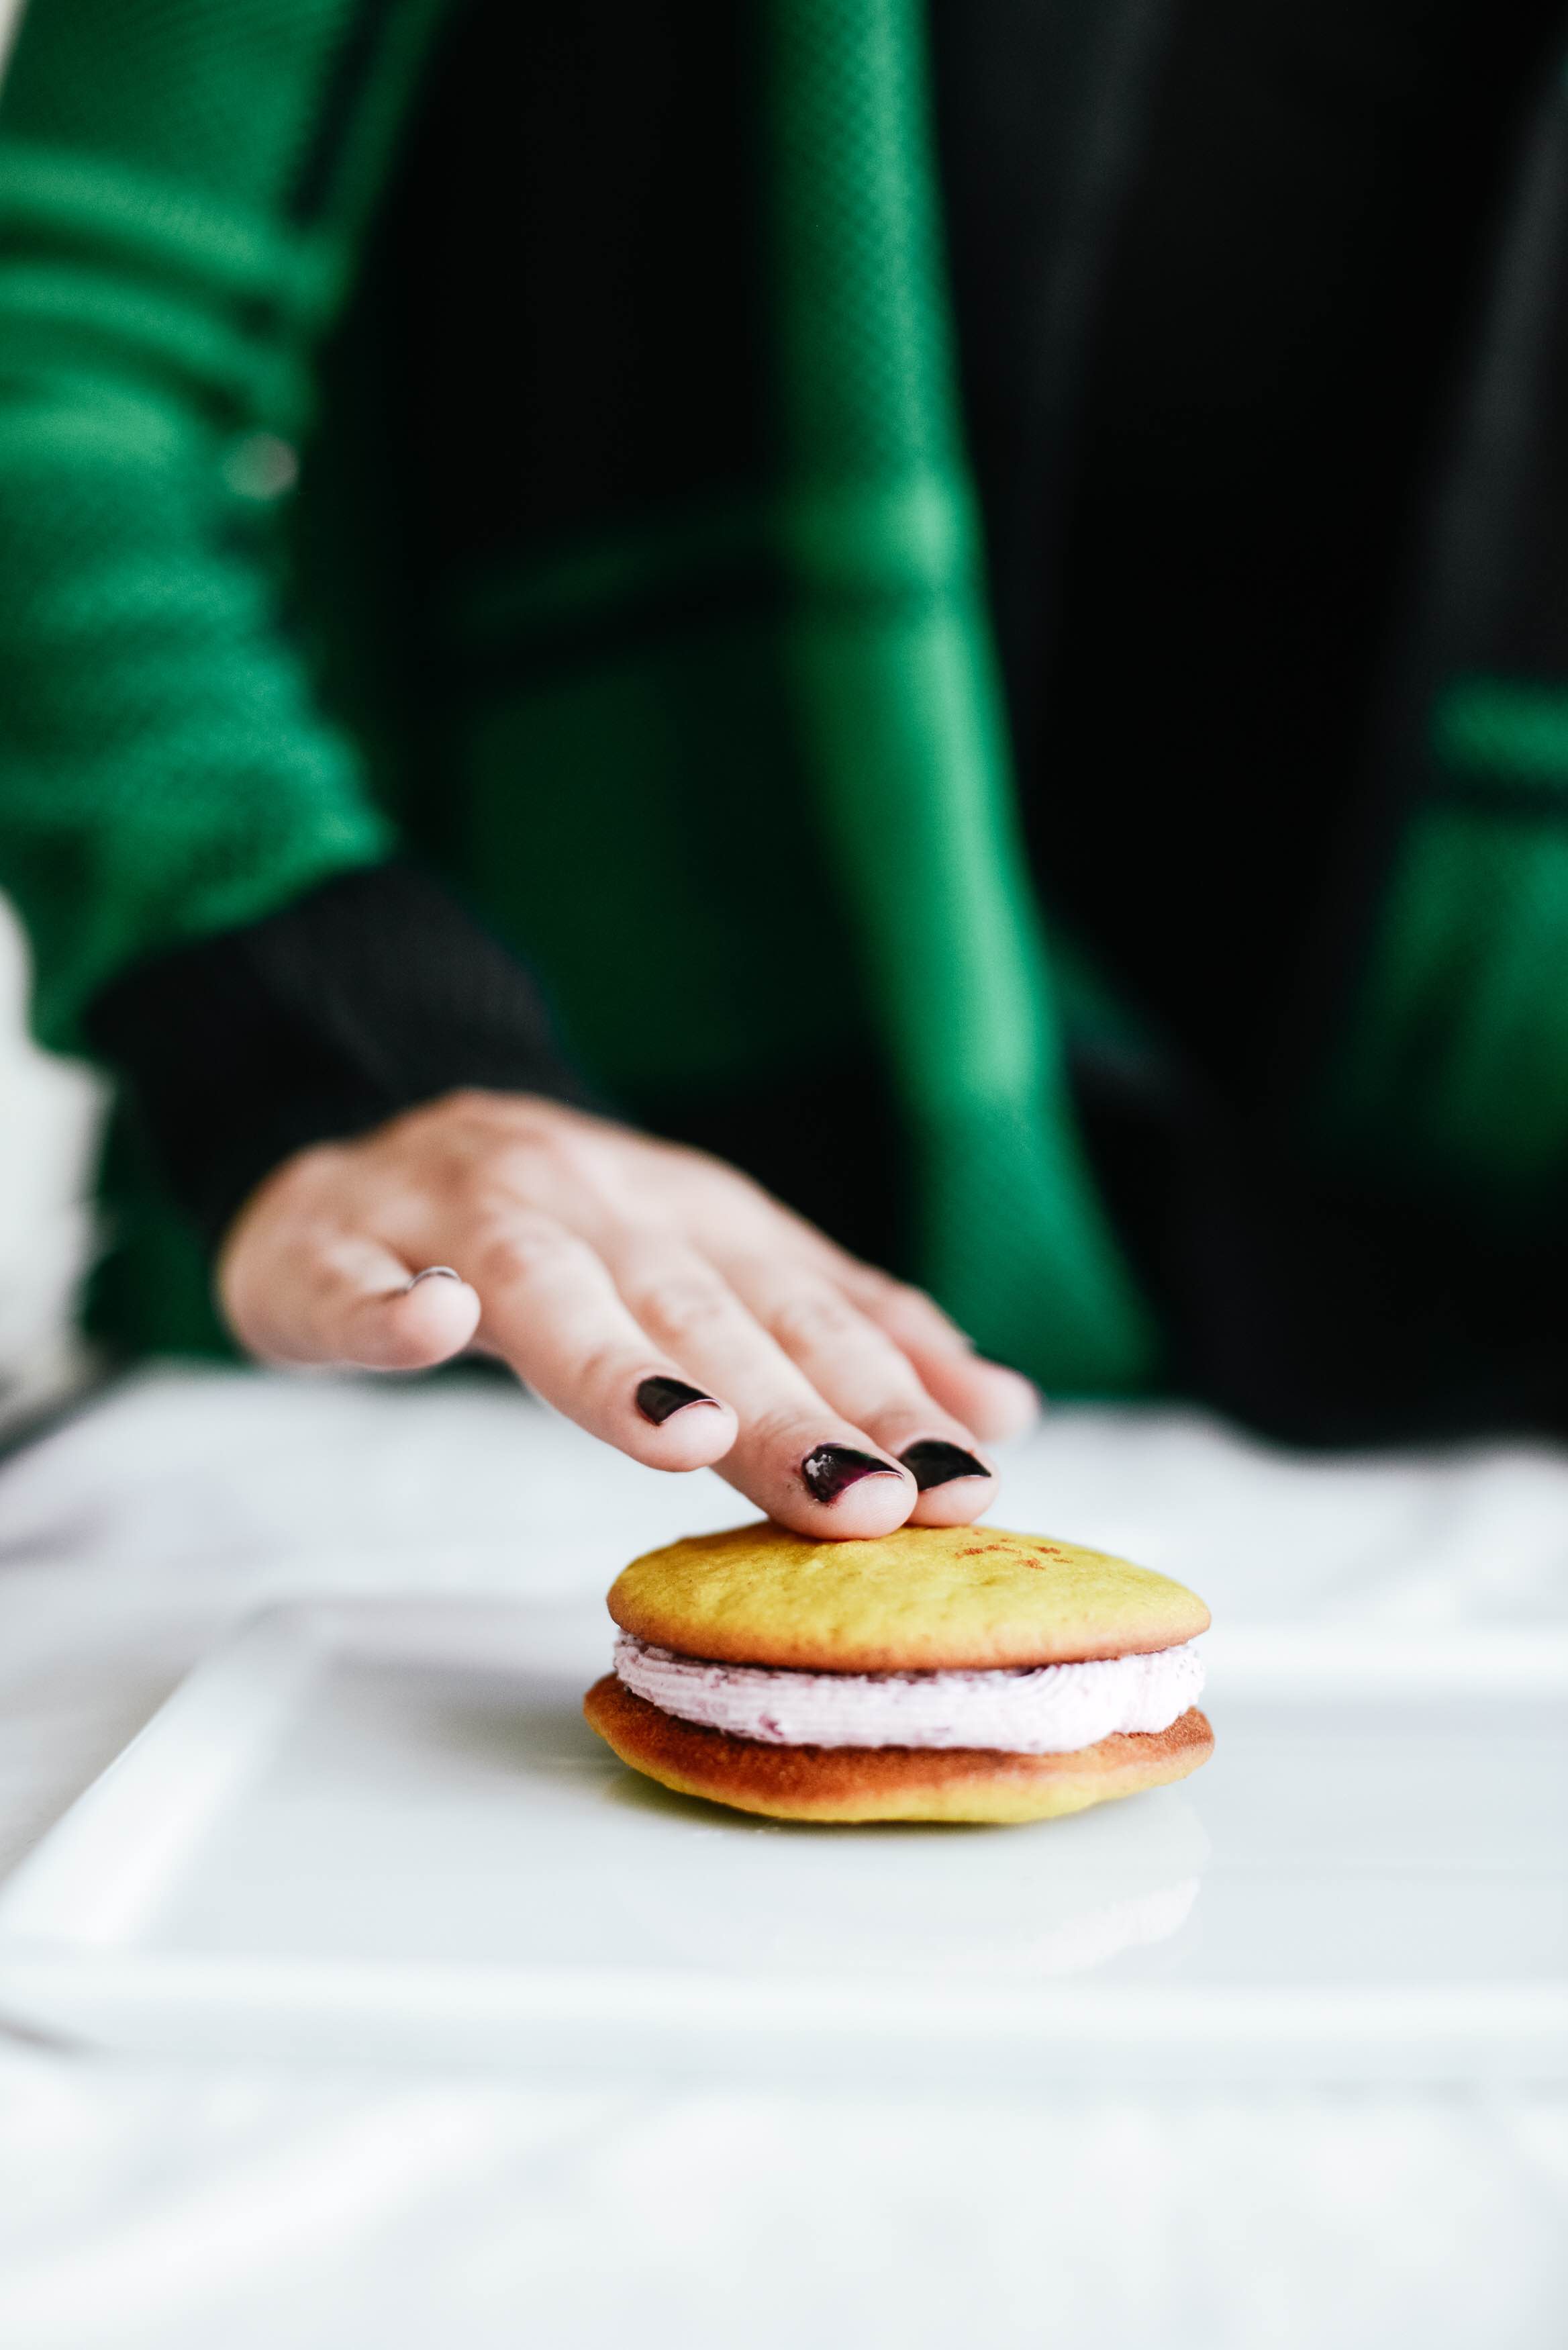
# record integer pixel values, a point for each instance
(371, 995)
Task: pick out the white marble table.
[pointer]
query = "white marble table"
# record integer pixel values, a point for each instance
(177, 2206)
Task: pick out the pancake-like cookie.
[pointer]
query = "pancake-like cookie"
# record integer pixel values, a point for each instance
(924, 1599)
(851, 1784)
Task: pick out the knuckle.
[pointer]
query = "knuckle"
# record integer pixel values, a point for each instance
(550, 1163)
(426, 1131)
(572, 1140)
(472, 1112)
(469, 1104)
(898, 1296)
(510, 1169)
(431, 1158)
(721, 1181)
(454, 1131)
(683, 1304)
(522, 1250)
(809, 1319)
(904, 1307)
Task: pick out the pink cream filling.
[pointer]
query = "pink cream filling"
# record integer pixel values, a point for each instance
(1036, 1709)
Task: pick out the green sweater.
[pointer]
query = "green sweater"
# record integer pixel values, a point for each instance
(185, 197)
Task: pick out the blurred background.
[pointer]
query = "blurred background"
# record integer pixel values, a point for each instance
(51, 1121)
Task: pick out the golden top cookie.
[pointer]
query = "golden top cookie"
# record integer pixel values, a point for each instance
(925, 1599)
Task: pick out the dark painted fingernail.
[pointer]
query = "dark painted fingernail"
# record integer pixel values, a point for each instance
(832, 1468)
(660, 1398)
(933, 1461)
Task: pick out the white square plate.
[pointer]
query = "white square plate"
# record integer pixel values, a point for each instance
(382, 1830)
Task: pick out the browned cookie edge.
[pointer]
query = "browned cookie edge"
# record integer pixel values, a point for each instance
(886, 1783)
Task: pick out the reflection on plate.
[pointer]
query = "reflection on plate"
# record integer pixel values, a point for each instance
(1060, 1897)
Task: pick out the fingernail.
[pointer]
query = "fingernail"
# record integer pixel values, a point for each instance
(832, 1468)
(660, 1398)
(933, 1461)
(433, 1272)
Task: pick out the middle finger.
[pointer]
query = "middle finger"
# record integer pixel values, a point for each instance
(859, 1368)
(803, 1463)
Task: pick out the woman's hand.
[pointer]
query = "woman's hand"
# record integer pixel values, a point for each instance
(652, 1293)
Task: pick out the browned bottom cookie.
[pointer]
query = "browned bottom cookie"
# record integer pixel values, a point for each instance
(887, 1782)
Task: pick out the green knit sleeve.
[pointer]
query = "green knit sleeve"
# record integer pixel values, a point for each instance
(180, 187)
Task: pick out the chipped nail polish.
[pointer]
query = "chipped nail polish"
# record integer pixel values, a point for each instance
(832, 1468)
(660, 1398)
(934, 1461)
